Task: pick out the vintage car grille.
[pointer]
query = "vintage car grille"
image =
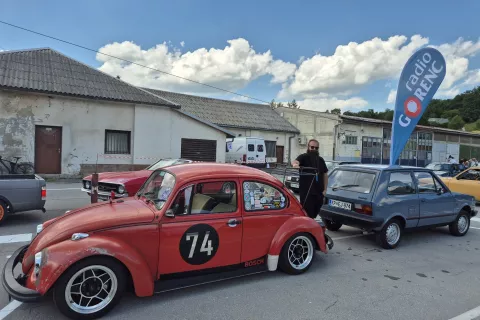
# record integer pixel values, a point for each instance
(107, 187)
(294, 179)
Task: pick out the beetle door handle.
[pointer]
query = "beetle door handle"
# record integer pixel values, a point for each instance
(233, 223)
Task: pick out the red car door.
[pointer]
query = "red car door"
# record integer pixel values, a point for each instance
(265, 209)
(206, 231)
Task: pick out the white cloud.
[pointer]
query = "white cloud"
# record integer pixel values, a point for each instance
(323, 104)
(229, 68)
(353, 66)
(391, 96)
(182, 44)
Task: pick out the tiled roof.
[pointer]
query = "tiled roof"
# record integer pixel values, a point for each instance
(429, 128)
(48, 71)
(229, 113)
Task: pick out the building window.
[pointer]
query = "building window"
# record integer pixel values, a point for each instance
(350, 140)
(271, 148)
(117, 142)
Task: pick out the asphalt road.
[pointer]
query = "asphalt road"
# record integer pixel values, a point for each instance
(431, 275)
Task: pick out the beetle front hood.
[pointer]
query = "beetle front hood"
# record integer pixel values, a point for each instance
(86, 220)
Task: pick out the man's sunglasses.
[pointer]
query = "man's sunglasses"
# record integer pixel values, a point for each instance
(314, 148)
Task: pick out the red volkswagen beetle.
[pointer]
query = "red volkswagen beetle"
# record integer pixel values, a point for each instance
(189, 224)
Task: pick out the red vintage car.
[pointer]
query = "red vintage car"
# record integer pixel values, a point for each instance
(188, 225)
(125, 183)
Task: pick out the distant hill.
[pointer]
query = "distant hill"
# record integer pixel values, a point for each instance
(463, 111)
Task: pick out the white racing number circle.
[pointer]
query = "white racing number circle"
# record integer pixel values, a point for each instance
(199, 244)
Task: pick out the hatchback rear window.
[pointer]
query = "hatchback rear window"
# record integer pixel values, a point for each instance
(355, 181)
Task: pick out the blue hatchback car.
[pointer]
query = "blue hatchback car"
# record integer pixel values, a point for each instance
(387, 200)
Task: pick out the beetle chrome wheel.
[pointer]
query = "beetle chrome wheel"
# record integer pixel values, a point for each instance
(91, 289)
(300, 252)
(393, 233)
(462, 224)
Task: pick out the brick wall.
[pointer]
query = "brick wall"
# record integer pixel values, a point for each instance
(87, 169)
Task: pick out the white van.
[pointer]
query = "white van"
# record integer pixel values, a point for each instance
(246, 150)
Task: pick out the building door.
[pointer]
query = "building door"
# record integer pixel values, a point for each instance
(280, 153)
(199, 149)
(48, 150)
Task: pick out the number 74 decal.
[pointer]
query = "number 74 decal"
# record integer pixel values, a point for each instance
(199, 244)
(204, 248)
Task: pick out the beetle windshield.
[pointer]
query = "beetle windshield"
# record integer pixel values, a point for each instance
(355, 181)
(158, 188)
(162, 163)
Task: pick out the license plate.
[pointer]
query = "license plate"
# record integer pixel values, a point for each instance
(340, 204)
(294, 185)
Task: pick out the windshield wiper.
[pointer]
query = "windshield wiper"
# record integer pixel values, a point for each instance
(345, 186)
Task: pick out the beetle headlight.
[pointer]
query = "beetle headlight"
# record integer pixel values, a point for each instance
(38, 262)
(121, 189)
(88, 184)
(39, 228)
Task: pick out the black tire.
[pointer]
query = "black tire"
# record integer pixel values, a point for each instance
(332, 225)
(24, 168)
(3, 212)
(454, 227)
(60, 288)
(382, 239)
(284, 263)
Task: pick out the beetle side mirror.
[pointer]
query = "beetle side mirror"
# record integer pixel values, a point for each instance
(170, 213)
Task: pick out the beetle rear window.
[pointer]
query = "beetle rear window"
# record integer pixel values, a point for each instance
(355, 181)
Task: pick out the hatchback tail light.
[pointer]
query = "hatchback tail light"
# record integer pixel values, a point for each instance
(363, 209)
(244, 158)
(44, 193)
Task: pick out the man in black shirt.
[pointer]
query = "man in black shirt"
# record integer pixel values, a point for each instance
(312, 183)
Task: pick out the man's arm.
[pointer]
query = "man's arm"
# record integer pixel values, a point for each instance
(325, 183)
(297, 162)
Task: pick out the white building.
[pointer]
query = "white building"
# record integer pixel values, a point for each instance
(243, 119)
(66, 117)
(348, 138)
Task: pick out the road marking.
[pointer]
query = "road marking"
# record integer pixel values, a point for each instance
(25, 237)
(475, 219)
(469, 315)
(9, 308)
(475, 228)
(352, 236)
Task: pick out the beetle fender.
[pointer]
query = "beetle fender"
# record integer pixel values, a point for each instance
(59, 257)
(287, 230)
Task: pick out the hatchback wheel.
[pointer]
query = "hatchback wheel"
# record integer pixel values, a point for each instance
(461, 224)
(90, 288)
(390, 235)
(297, 254)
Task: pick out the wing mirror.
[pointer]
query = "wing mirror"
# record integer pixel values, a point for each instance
(440, 190)
(170, 213)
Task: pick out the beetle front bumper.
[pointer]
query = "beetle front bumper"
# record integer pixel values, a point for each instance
(15, 286)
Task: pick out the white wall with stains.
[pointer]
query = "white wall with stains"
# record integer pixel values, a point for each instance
(156, 132)
(159, 131)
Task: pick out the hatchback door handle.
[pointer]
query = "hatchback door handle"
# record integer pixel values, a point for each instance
(233, 223)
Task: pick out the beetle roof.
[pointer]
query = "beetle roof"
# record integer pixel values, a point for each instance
(204, 170)
(380, 167)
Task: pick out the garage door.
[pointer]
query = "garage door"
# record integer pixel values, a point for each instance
(199, 149)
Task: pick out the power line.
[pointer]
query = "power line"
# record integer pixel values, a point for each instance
(138, 64)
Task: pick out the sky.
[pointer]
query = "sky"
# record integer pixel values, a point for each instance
(323, 54)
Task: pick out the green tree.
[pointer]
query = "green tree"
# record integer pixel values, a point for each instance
(456, 123)
(336, 111)
(293, 104)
